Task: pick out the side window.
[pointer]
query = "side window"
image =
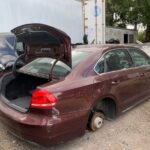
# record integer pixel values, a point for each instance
(100, 67)
(117, 60)
(139, 58)
(114, 60)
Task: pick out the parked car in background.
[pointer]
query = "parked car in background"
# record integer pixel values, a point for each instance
(58, 93)
(113, 41)
(8, 54)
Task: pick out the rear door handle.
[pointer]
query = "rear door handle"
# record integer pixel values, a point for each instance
(115, 82)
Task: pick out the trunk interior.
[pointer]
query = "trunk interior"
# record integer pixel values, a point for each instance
(17, 90)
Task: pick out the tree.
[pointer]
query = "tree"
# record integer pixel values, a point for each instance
(121, 13)
(145, 19)
(141, 36)
(116, 12)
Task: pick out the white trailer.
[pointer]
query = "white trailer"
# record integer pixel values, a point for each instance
(63, 14)
(94, 20)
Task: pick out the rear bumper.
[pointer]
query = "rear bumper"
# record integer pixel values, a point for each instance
(42, 129)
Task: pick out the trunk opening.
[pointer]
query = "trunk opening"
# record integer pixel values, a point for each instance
(17, 90)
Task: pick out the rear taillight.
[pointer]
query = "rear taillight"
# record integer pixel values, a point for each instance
(42, 99)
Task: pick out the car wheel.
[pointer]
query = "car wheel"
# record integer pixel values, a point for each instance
(96, 121)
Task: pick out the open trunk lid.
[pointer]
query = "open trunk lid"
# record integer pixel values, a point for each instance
(38, 41)
(44, 41)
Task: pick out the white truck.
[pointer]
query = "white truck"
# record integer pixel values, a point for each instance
(94, 20)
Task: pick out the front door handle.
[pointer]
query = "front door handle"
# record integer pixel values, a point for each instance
(115, 82)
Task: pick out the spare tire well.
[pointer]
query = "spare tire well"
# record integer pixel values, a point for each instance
(108, 107)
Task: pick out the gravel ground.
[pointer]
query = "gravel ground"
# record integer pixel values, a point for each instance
(130, 131)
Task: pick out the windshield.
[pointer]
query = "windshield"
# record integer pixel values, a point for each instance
(7, 52)
(42, 66)
(7, 44)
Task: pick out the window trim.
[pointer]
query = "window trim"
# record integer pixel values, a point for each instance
(127, 49)
(137, 49)
(102, 58)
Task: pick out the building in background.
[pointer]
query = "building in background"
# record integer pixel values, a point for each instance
(124, 36)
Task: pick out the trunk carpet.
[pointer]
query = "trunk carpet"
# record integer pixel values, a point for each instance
(23, 102)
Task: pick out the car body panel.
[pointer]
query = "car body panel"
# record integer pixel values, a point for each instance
(45, 130)
(147, 77)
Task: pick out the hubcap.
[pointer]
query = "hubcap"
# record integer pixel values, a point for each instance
(98, 122)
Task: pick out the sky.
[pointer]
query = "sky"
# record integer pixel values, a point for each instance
(140, 27)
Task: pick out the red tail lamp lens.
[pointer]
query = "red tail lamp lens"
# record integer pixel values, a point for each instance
(42, 99)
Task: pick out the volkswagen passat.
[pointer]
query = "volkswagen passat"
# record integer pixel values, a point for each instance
(58, 93)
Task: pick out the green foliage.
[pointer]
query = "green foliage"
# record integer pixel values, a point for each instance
(127, 11)
(123, 12)
(141, 36)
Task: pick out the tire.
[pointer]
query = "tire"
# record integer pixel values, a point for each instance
(96, 121)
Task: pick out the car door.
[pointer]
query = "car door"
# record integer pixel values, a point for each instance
(142, 64)
(122, 80)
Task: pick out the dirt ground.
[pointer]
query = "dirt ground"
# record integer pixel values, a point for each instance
(131, 131)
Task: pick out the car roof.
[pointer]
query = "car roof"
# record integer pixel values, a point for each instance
(100, 47)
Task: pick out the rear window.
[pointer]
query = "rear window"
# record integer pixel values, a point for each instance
(42, 66)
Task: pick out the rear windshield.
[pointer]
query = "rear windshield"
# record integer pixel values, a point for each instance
(42, 66)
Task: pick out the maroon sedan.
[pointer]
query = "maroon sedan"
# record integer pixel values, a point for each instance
(58, 93)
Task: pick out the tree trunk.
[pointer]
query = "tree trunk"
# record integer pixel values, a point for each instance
(135, 26)
(147, 39)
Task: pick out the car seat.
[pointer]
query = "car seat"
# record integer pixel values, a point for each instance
(113, 63)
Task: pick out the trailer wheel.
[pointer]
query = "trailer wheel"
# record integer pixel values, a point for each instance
(96, 121)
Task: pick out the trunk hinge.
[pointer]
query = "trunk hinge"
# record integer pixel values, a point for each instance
(52, 68)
